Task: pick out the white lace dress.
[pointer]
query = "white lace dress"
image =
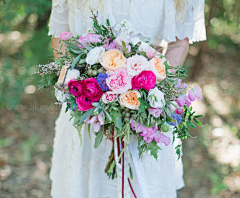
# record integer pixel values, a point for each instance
(78, 172)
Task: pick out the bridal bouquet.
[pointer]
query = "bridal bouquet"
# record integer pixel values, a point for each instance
(122, 87)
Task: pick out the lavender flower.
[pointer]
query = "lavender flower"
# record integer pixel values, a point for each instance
(101, 79)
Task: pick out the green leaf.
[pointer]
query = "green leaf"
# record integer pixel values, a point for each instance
(118, 122)
(192, 125)
(59, 61)
(198, 116)
(108, 116)
(75, 61)
(198, 122)
(98, 138)
(82, 61)
(72, 46)
(143, 105)
(85, 115)
(153, 148)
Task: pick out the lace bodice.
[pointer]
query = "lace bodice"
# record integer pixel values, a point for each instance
(151, 19)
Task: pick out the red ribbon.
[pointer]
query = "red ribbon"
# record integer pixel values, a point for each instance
(118, 146)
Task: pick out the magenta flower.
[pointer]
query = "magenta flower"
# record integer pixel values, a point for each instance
(65, 36)
(181, 100)
(191, 95)
(179, 111)
(145, 80)
(92, 90)
(83, 103)
(156, 112)
(75, 87)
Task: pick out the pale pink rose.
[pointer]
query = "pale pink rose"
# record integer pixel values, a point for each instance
(66, 36)
(136, 64)
(119, 81)
(108, 97)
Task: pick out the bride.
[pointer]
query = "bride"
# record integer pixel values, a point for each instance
(78, 171)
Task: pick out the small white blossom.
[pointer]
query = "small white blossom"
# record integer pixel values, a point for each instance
(60, 95)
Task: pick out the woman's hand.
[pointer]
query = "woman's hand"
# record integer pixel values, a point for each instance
(56, 45)
(177, 52)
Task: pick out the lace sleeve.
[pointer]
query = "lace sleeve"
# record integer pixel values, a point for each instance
(58, 22)
(193, 27)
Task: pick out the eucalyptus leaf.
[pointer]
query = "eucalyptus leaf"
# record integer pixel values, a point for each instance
(85, 115)
(99, 138)
(75, 61)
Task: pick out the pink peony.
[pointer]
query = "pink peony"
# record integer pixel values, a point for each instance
(83, 103)
(108, 97)
(145, 80)
(91, 89)
(94, 38)
(119, 81)
(136, 64)
(66, 36)
(75, 87)
(179, 111)
(156, 112)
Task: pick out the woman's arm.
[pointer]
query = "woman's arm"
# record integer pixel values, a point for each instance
(55, 44)
(177, 52)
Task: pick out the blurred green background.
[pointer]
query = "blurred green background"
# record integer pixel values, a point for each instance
(211, 161)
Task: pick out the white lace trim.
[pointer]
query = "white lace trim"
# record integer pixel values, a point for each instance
(151, 19)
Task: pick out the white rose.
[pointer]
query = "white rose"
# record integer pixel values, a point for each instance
(66, 75)
(156, 98)
(94, 55)
(60, 95)
(144, 46)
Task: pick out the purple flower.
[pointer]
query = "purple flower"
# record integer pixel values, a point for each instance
(181, 100)
(84, 42)
(191, 95)
(181, 86)
(95, 121)
(198, 93)
(94, 38)
(156, 112)
(161, 138)
(101, 79)
(187, 101)
(108, 45)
